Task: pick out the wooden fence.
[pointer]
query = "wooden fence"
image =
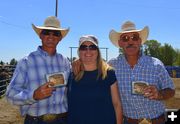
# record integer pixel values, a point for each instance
(3, 86)
(6, 72)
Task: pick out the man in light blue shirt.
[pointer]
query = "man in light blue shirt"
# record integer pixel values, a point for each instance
(143, 80)
(39, 100)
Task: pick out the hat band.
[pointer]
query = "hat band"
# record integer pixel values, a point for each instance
(128, 28)
(51, 26)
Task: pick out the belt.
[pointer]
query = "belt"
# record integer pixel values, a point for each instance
(158, 120)
(48, 117)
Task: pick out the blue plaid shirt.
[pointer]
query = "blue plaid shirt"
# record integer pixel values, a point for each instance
(29, 75)
(147, 69)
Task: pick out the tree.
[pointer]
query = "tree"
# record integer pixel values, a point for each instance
(167, 54)
(151, 47)
(1, 63)
(177, 61)
(13, 62)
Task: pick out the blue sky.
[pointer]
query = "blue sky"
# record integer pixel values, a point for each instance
(95, 17)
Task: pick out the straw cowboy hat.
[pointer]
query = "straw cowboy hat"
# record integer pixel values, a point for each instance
(127, 27)
(51, 23)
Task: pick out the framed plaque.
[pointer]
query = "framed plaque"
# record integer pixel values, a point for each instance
(138, 87)
(58, 79)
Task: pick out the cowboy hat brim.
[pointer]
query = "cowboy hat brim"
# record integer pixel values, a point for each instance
(38, 30)
(114, 36)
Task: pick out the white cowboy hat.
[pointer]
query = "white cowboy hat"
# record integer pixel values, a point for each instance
(51, 23)
(127, 27)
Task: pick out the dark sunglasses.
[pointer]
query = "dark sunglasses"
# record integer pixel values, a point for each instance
(126, 38)
(85, 47)
(55, 33)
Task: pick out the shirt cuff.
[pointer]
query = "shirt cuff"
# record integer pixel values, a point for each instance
(31, 100)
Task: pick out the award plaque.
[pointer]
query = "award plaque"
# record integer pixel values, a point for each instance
(58, 79)
(138, 87)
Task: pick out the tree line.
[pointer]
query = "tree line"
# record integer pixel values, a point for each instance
(12, 62)
(166, 53)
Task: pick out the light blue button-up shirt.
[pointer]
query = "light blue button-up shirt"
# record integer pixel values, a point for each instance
(147, 69)
(30, 73)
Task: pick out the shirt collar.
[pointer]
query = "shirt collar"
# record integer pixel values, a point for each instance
(42, 52)
(141, 59)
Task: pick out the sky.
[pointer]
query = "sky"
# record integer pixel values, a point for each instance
(96, 17)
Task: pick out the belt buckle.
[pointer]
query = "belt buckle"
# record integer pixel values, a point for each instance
(49, 117)
(145, 121)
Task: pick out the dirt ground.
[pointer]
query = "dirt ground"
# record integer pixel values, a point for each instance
(174, 103)
(9, 114)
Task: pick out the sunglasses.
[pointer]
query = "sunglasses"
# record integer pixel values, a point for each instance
(85, 47)
(126, 38)
(54, 33)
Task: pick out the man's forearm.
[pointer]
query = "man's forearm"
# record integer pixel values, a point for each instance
(166, 94)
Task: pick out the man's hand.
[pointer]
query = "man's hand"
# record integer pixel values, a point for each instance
(43, 91)
(77, 66)
(152, 92)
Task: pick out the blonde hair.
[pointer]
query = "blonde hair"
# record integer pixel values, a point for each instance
(102, 67)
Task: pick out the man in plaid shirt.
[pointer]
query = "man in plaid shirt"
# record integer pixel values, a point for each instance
(39, 101)
(144, 105)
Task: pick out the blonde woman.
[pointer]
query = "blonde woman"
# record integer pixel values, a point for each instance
(93, 96)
